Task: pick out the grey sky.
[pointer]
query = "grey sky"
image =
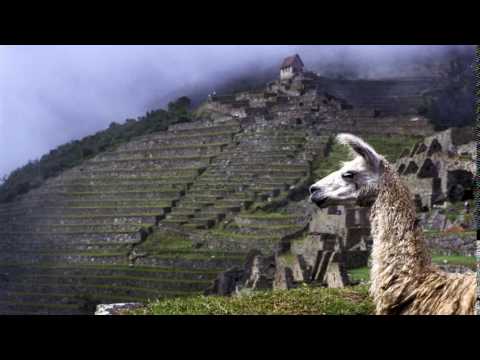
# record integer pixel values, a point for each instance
(50, 95)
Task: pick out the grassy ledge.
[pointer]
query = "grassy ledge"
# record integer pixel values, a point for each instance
(301, 301)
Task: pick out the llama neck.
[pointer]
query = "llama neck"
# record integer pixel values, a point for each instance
(398, 247)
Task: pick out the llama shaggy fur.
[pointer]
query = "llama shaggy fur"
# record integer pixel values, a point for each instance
(403, 279)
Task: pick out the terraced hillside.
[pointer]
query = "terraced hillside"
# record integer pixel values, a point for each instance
(86, 237)
(240, 180)
(68, 245)
(387, 96)
(162, 215)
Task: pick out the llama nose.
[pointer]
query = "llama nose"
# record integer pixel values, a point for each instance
(313, 189)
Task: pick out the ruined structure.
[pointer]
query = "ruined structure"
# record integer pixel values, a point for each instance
(328, 106)
(166, 213)
(441, 168)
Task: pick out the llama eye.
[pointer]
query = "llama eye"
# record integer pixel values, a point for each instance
(348, 175)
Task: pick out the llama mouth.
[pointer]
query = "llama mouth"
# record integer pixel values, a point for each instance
(318, 199)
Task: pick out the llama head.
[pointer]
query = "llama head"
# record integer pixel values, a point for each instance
(356, 182)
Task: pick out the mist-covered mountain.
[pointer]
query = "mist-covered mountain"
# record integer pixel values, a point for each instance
(53, 95)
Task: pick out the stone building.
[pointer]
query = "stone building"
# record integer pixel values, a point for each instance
(291, 66)
(440, 168)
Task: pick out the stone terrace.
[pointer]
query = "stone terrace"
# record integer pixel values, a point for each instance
(69, 244)
(87, 236)
(441, 167)
(240, 178)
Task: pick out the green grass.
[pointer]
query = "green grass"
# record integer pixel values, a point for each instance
(321, 167)
(289, 258)
(468, 261)
(360, 274)
(363, 274)
(167, 242)
(301, 301)
(142, 205)
(208, 134)
(391, 147)
(130, 269)
(159, 158)
(172, 147)
(436, 233)
(262, 215)
(231, 235)
(79, 253)
(195, 256)
(113, 180)
(114, 192)
(116, 278)
(274, 227)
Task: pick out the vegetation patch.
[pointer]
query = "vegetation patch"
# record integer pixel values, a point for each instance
(288, 258)
(468, 261)
(226, 234)
(360, 274)
(76, 152)
(363, 274)
(391, 146)
(436, 234)
(263, 215)
(163, 241)
(323, 166)
(301, 301)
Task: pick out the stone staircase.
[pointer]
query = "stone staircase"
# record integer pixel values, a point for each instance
(237, 178)
(240, 179)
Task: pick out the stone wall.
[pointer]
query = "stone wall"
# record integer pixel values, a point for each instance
(441, 167)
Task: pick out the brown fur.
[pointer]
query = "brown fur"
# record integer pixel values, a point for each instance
(404, 281)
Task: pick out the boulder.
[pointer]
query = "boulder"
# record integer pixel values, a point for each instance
(336, 275)
(226, 282)
(116, 309)
(283, 279)
(258, 273)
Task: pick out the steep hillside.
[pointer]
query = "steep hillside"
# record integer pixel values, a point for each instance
(163, 214)
(74, 153)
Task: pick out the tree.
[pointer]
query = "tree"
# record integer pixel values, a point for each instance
(181, 105)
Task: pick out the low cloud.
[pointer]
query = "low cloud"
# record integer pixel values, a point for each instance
(50, 95)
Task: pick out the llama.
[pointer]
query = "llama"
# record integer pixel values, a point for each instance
(403, 279)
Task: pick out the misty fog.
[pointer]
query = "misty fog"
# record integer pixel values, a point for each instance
(50, 95)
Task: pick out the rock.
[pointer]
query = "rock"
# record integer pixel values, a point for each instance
(336, 276)
(438, 222)
(259, 271)
(455, 268)
(226, 282)
(198, 244)
(283, 279)
(305, 270)
(282, 247)
(116, 309)
(452, 243)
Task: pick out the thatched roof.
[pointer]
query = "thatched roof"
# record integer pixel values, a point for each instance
(294, 61)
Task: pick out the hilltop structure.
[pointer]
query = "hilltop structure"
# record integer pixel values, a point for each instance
(291, 66)
(331, 105)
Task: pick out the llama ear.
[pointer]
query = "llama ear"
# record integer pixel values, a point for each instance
(361, 148)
